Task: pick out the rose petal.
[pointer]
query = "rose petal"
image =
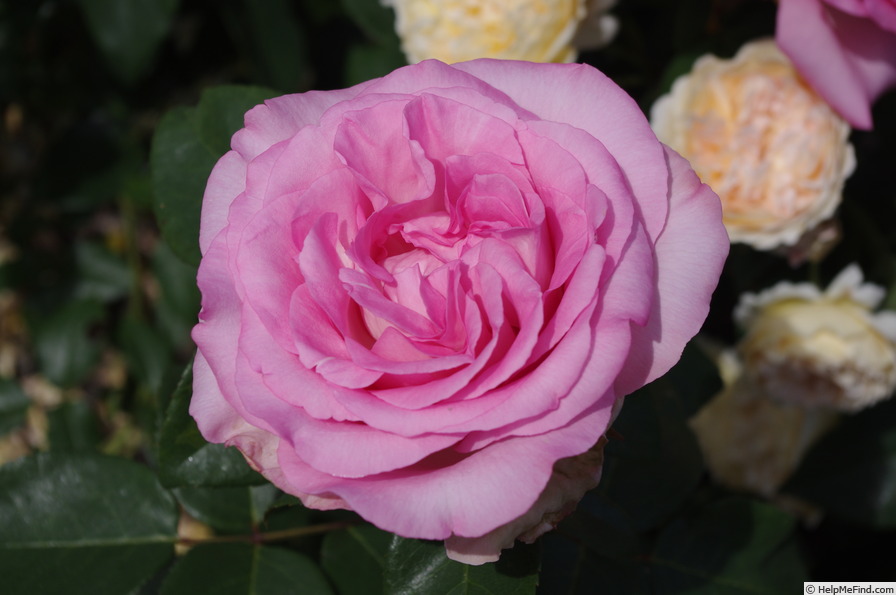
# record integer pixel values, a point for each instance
(688, 269)
(849, 60)
(619, 123)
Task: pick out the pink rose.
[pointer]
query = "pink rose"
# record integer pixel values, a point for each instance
(845, 49)
(421, 292)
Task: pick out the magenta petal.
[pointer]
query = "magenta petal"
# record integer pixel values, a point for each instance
(619, 123)
(226, 182)
(322, 442)
(688, 268)
(884, 13)
(282, 117)
(357, 450)
(444, 127)
(858, 8)
(493, 201)
(848, 60)
(583, 285)
(431, 500)
(320, 263)
(572, 477)
(366, 139)
(362, 290)
(220, 422)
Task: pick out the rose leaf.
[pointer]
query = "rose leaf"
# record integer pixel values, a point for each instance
(74, 524)
(652, 461)
(417, 566)
(733, 546)
(178, 305)
(185, 458)
(244, 569)
(851, 472)
(185, 147)
(74, 427)
(228, 509)
(354, 559)
(180, 167)
(375, 19)
(128, 32)
(65, 349)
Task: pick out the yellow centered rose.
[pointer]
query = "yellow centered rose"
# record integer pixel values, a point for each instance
(772, 149)
(820, 349)
(533, 30)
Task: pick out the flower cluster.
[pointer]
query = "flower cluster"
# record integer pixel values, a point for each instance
(769, 131)
(441, 344)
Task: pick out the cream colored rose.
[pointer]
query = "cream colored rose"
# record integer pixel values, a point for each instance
(772, 149)
(820, 349)
(750, 442)
(533, 30)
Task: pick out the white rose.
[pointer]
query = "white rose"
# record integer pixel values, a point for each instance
(533, 30)
(770, 147)
(820, 348)
(750, 442)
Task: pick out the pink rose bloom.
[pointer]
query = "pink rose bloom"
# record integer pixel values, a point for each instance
(845, 49)
(422, 292)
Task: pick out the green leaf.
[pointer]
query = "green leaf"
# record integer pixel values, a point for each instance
(101, 275)
(603, 526)
(128, 32)
(243, 569)
(695, 379)
(64, 348)
(279, 43)
(375, 19)
(657, 454)
(571, 568)
(186, 145)
(595, 549)
(13, 404)
(287, 517)
(82, 524)
(228, 510)
(73, 427)
(355, 559)
(186, 459)
(851, 472)
(730, 546)
(415, 566)
(180, 168)
(365, 61)
(221, 112)
(147, 353)
(177, 310)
